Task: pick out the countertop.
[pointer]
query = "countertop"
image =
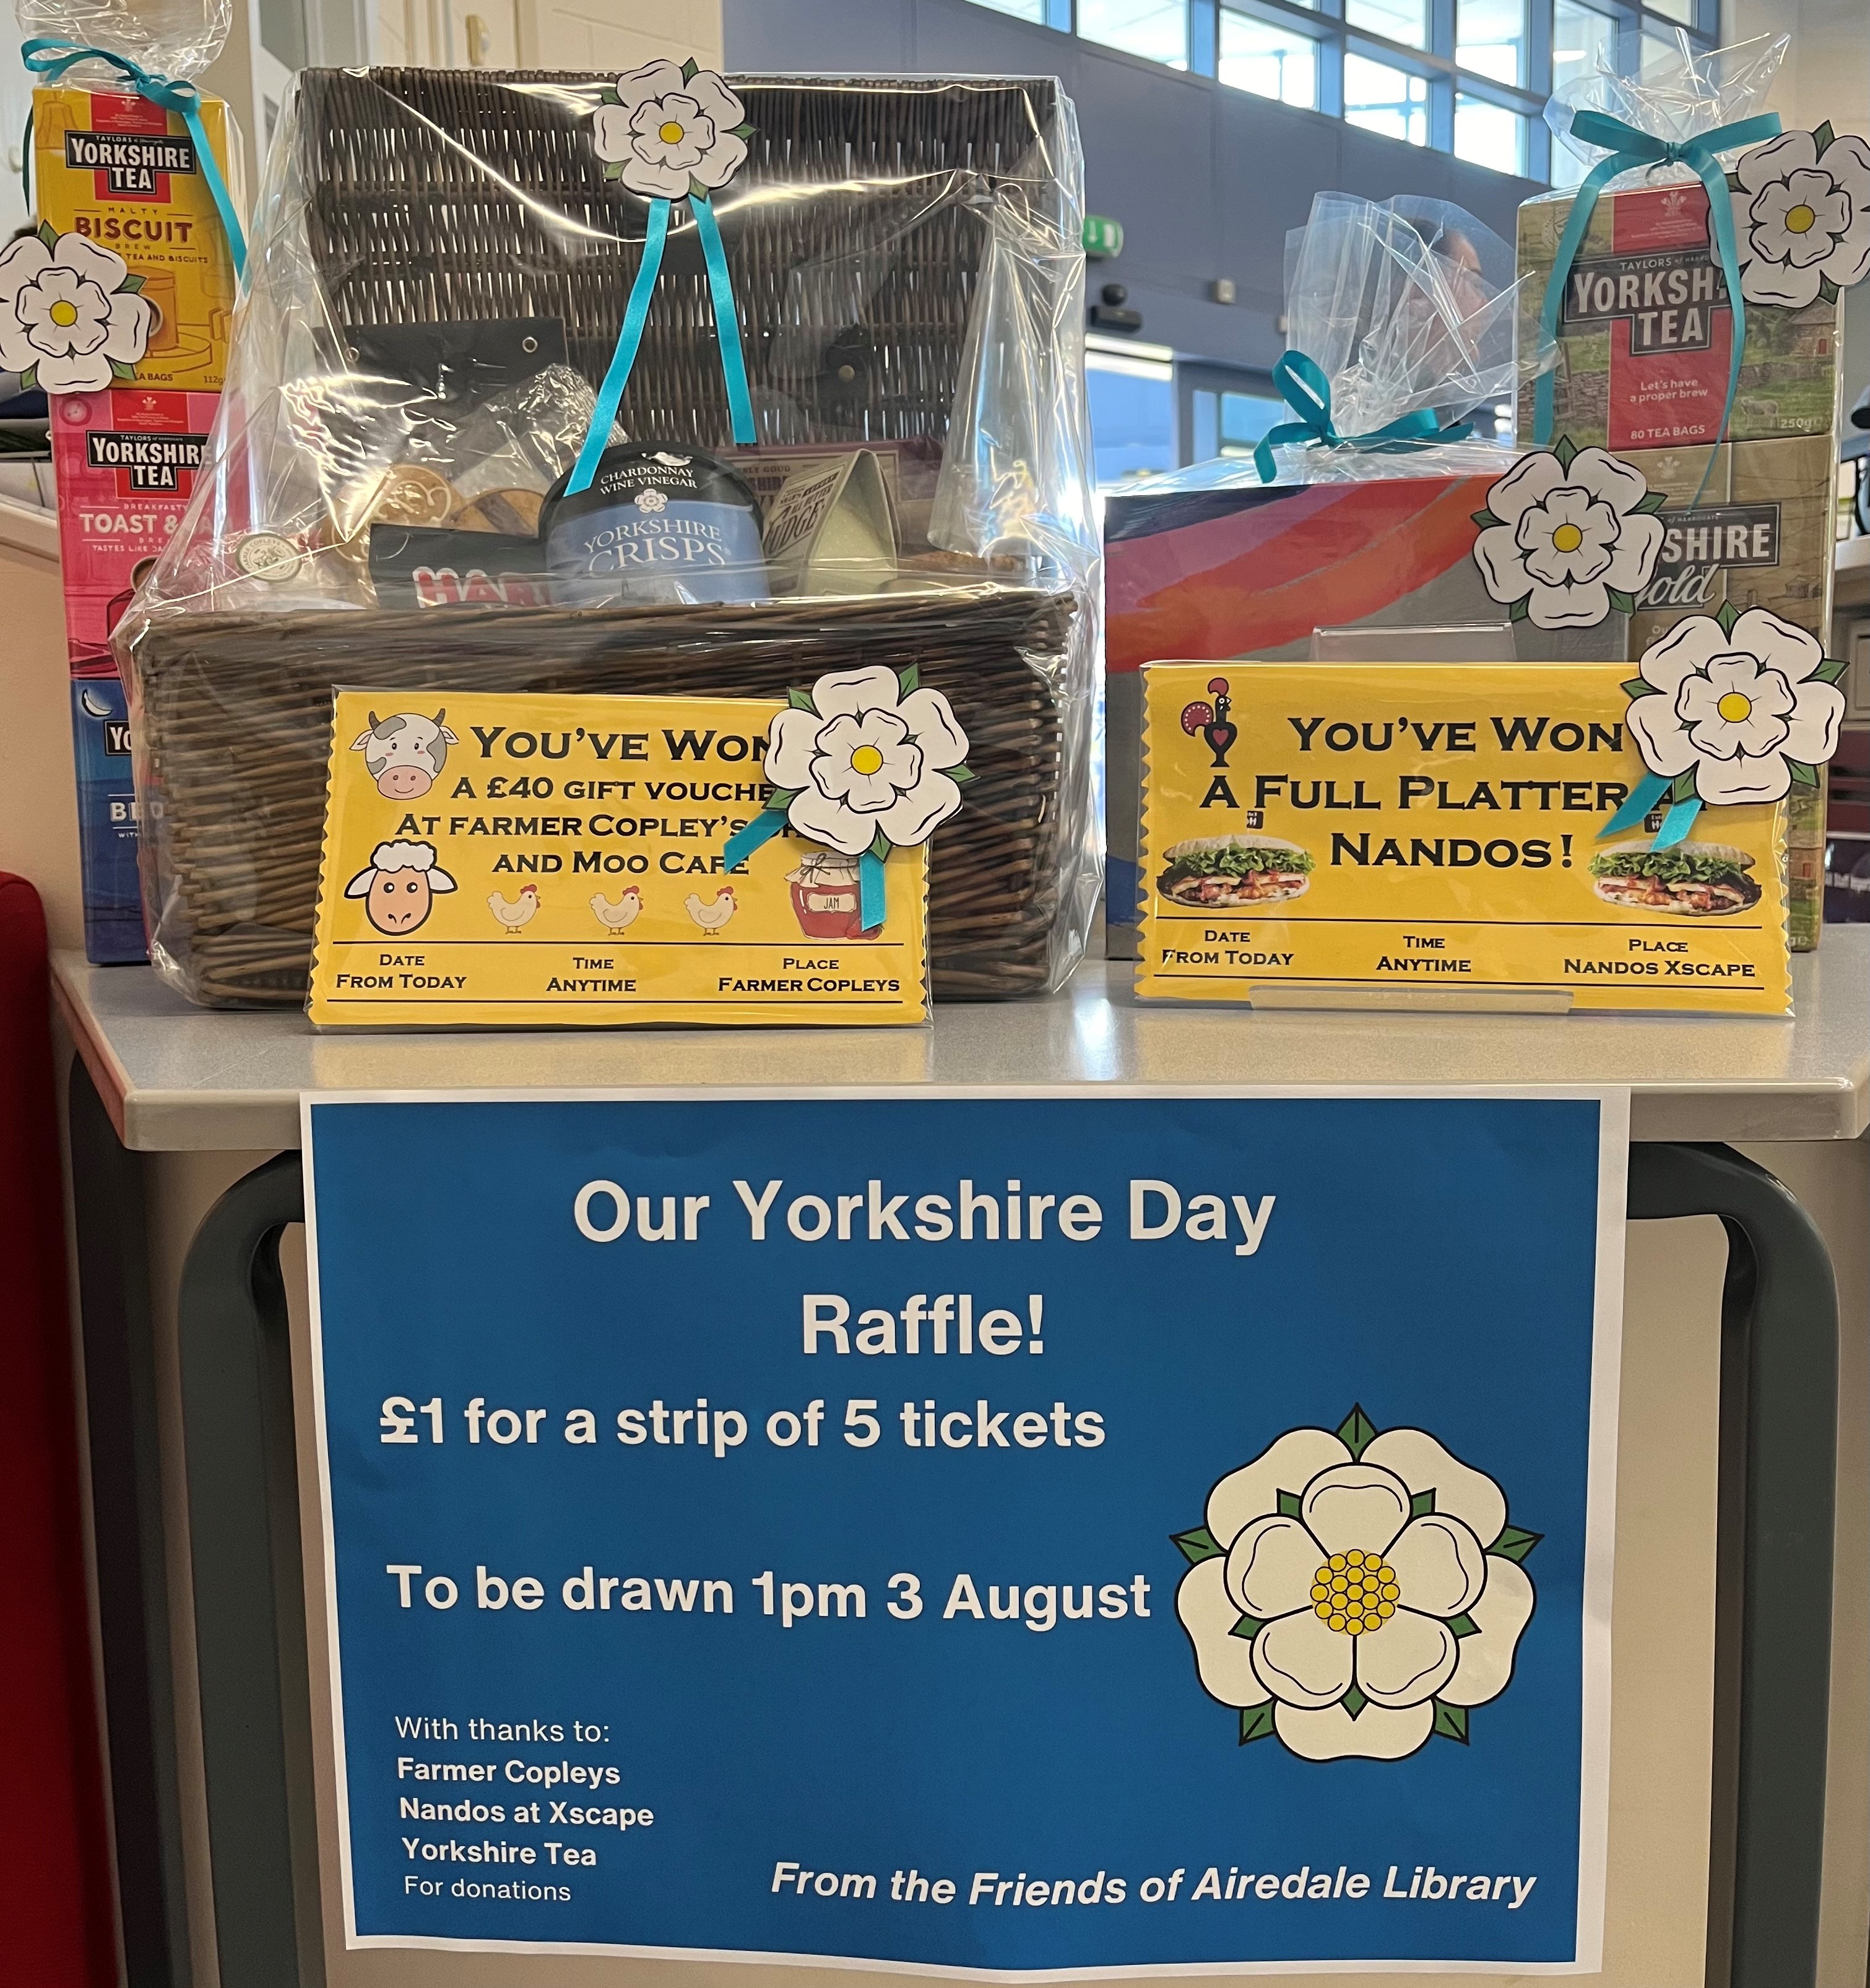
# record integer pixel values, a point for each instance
(177, 1078)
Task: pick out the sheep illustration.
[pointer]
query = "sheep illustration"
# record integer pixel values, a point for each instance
(399, 885)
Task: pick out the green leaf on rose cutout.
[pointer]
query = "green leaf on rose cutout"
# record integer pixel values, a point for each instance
(1257, 1722)
(1197, 1545)
(1356, 1432)
(1451, 1721)
(1515, 1543)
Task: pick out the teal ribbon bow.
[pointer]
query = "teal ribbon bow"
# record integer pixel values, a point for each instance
(1630, 148)
(765, 826)
(48, 57)
(1301, 380)
(1646, 794)
(636, 316)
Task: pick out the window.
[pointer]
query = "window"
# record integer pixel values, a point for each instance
(1465, 76)
(1268, 60)
(1488, 134)
(1132, 401)
(1392, 101)
(1227, 423)
(1583, 43)
(1490, 40)
(1156, 28)
(1404, 21)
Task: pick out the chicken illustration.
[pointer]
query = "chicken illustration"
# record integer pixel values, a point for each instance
(513, 916)
(711, 917)
(620, 916)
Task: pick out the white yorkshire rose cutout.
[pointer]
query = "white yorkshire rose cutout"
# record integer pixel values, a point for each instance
(1355, 1593)
(72, 318)
(1567, 535)
(1803, 201)
(671, 129)
(1735, 707)
(868, 761)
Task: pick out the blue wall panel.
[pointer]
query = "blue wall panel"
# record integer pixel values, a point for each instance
(1205, 180)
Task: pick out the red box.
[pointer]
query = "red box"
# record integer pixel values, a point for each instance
(126, 462)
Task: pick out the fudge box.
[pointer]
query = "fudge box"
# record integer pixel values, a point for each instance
(106, 822)
(1645, 333)
(123, 172)
(125, 461)
(1257, 571)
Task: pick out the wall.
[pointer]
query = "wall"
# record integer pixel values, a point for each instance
(1206, 180)
(620, 34)
(38, 807)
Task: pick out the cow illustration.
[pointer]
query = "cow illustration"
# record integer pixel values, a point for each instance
(404, 753)
(399, 885)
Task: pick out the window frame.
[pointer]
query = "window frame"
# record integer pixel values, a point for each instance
(1325, 25)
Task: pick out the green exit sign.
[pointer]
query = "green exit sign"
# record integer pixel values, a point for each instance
(1103, 236)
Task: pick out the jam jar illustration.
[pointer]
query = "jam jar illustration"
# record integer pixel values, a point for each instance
(825, 896)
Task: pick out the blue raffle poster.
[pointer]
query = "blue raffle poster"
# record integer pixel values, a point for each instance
(1023, 1536)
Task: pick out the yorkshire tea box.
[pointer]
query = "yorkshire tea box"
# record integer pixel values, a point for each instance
(1646, 332)
(125, 461)
(1645, 339)
(123, 172)
(560, 861)
(1400, 835)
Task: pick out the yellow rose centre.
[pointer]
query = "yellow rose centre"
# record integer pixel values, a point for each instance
(1355, 1593)
(671, 134)
(1800, 220)
(1735, 707)
(1566, 538)
(867, 759)
(63, 313)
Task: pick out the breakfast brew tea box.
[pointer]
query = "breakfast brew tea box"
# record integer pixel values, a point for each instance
(558, 861)
(1428, 834)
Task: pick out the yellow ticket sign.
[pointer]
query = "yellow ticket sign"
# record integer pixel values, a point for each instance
(1320, 834)
(555, 861)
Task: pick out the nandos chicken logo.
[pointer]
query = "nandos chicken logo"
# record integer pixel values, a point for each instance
(1210, 721)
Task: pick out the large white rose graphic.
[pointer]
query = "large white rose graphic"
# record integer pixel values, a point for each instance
(1805, 211)
(72, 318)
(1735, 707)
(672, 130)
(1567, 535)
(867, 761)
(1355, 1593)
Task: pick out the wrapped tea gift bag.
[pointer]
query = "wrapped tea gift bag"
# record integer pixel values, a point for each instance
(1691, 287)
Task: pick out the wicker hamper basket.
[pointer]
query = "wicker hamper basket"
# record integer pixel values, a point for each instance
(236, 727)
(857, 234)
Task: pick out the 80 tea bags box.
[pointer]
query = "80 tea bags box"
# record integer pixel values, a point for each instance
(1643, 313)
